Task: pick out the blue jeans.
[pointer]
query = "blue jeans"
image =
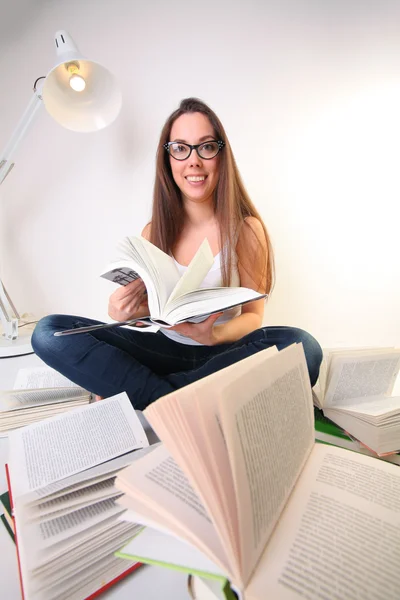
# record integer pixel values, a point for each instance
(149, 365)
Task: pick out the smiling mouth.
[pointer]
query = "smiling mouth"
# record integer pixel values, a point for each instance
(195, 178)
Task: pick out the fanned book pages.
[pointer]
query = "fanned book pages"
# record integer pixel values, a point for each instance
(61, 475)
(355, 390)
(39, 393)
(174, 298)
(238, 490)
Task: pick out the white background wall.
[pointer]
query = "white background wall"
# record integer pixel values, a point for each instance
(309, 93)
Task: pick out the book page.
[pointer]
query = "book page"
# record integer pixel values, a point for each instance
(267, 421)
(28, 398)
(41, 377)
(47, 559)
(155, 547)
(360, 375)
(70, 501)
(374, 406)
(44, 534)
(339, 534)
(157, 482)
(198, 268)
(84, 478)
(61, 446)
(138, 258)
(188, 422)
(206, 301)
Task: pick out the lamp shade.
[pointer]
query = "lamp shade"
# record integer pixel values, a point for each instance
(78, 93)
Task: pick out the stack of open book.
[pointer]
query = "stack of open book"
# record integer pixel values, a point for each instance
(61, 475)
(355, 388)
(239, 490)
(38, 393)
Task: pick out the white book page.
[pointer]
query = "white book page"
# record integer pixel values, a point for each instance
(362, 375)
(45, 452)
(44, 534)
(48, 509)
(155, 546)
(267, 421)
(206, 301)
(84, 478)
(23, 399)
(139, 258)
(41, 377)
(81, 561)
(89, 549)
(157, 482)
(339, 534)
(374, 406)
(44, 560)
(198, 268)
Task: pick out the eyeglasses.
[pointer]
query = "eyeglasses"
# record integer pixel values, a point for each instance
(182, 151)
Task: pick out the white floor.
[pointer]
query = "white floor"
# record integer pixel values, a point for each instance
(148, 583)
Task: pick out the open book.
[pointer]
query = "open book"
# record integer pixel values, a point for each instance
(61, 475)
(239, 490)
(355, 390)
(172, 297)
(39, 393)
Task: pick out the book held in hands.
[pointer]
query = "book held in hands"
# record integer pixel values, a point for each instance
(355, 390)
(61, 475)
(174, 298)
(239, 490)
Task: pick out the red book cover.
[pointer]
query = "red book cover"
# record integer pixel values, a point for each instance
(97, 592)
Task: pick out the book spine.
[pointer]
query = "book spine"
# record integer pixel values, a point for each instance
(113, 581)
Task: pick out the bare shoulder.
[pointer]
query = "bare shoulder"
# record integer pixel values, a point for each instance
(146, 231)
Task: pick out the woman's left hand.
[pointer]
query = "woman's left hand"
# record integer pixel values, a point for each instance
(200, 332)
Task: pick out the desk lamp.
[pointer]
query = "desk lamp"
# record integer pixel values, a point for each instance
(80, 95)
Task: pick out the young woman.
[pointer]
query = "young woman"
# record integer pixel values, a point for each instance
(198, 194)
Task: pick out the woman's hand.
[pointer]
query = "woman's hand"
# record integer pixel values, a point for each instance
(128, 301)
(200, 332)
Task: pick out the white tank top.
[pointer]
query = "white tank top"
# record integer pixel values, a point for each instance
(212, 279)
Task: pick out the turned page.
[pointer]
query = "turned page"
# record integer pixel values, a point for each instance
(41, 377)
(339, 535)
(45, 452)
(198, 268)
(139, 258)
(267, 421)
(360, 374)
(159, 489)
(188, 423)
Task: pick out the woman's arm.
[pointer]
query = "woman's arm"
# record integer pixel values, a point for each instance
(252, 253)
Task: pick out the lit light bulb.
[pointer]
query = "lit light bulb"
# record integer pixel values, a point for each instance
(77, 83)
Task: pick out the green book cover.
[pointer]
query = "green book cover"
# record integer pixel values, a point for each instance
(213, 589)
(327, 426)
(6, 525)
(5, 500)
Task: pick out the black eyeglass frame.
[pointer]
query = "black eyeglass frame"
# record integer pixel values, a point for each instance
(196, 147)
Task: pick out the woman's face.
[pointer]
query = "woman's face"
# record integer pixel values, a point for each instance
(196, 177)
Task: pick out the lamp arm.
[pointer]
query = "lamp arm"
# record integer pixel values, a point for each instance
(8, 314)
(6, 158)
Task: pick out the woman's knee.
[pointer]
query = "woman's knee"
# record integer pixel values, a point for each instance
(313, 353)
(43, 339)
(284, 336)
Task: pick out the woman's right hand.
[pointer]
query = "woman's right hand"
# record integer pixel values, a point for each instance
(128, 301)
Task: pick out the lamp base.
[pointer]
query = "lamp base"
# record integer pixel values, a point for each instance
(18, 347)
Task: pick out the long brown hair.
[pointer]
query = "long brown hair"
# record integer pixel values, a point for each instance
(232, 203)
